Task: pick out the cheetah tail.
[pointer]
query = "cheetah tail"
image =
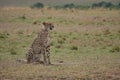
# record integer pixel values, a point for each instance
(22, 60)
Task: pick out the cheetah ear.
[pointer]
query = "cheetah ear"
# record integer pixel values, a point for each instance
(44, 23)
(43, 26)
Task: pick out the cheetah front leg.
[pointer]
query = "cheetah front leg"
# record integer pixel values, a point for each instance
(45, 58)
(43, 52)
(48, 57)
(29, 56)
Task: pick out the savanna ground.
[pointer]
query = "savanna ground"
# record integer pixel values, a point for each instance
(85, 44)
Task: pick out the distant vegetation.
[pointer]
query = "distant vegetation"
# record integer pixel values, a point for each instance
(104, 4)
(70, 6)
(38, 5)
(101, 4)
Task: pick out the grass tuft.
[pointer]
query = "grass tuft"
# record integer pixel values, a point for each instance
(60, 41)
(74, 48)
(106, 32)
(115, 49)
(22, 17)
(4, 35)
(13, 52)
(59, 46)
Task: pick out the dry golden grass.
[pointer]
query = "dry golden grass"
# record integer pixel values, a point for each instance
(85, 44)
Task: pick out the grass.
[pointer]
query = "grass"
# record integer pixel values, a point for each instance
(84, 46)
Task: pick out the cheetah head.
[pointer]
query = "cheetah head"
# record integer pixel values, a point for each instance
(48, 26)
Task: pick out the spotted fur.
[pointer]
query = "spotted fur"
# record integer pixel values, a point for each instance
(41, 45)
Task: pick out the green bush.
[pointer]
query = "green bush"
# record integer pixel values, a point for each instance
(69, 5)
(38, 5)
(102, 4)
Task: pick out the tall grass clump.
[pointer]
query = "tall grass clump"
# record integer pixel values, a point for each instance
(74, 48)
(106, 32)
(13, 52)
(4, 35)
(22, 17)
(115, 49)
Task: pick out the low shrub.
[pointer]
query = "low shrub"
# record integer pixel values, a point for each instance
(115, 49)
(74, 48)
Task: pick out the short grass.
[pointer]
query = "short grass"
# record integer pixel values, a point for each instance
(85, 44)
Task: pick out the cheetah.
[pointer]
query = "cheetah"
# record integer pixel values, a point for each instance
(41, 45)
